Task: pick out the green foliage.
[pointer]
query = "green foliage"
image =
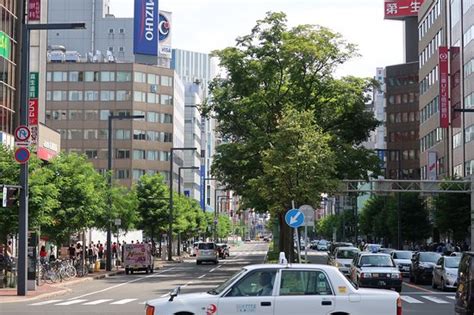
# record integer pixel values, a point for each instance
(452, 214)
(326, 226)
(224, 226)
(124, 207)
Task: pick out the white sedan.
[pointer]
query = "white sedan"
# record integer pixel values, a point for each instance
(281, 289)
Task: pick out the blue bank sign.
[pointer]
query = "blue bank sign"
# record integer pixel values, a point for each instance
(145, 35)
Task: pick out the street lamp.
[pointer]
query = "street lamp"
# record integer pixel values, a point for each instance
(215, 210)
(24, 68)
(170, 218)
(108, 265)
(179, 175)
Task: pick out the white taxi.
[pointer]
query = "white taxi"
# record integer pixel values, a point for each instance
(281, 289)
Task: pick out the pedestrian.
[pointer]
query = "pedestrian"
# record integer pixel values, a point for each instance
(90, 253)
(72, 252)
(95, 253)
(52, 253)
(43, 254)
(101, 250)
(9, 253)
(114, 250)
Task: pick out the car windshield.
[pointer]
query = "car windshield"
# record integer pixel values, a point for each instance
(224, 285)
(376, 261)
(452, 262)
(206, 246)
(323, 242)
(347, 253)
(402, 255)
(429, 257)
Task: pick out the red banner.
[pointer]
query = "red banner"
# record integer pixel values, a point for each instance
(401, 8)
(33, 111)
(34, 10)
(443, 87)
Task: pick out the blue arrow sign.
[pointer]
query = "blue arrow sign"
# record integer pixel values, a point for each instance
(294, 218)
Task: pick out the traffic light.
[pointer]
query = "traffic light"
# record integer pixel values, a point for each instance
(9, 196)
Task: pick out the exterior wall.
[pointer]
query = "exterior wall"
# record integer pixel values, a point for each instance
(139, 146)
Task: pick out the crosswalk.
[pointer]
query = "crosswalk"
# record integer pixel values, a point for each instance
(248, 253)
(418, 299)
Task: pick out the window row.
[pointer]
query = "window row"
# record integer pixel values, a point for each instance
(151, 155)
(430, 109)
(455, 12)
(401, 81)
(469, 101)
(108, 96)
(469, 166)
(120, 134)
(403, 117)
(79, 115)
(402, 136)
(402, 98)
(431, 139)
(429, 20)
(429, 80)
(140, 77)
(457, 140)
(469, 68)
(468, 35)
(136, 173)
(431, 49)
(469, 134)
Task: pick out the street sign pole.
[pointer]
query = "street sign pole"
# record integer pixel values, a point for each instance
(308, 212)
(306, 243)
(297, 237)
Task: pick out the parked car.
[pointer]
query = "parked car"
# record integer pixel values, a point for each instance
(322, 245)
(445, 273)
(223, 250)
(402, 259)
(332, 247)
(207, 251)
(373, 270)
(343, 257)
(372, 248)
(464, 304)
(422, 265)
(385, 250)
(281, 289)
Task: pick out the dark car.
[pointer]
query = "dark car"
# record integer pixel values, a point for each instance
(422, 265)
(374, 270)
(464, 304)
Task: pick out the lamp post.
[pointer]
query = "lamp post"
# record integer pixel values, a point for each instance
(215, 211)
(399, 176)
(24, 68)
(170, 218)
(108, 265)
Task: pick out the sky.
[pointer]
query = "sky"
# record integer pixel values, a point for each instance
(206, 25)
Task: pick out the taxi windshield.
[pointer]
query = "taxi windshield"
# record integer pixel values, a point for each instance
(376, 261)
(226, 283)
(402, 255)
(347, 253)
(452, 262)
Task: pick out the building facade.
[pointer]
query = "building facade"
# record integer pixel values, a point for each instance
(81, 96)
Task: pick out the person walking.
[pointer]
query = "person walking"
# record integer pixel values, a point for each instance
(43, 253)
(72, 253)
(52, 253)
(101, 250)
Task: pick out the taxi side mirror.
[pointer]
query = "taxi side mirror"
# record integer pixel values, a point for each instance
(174, 293)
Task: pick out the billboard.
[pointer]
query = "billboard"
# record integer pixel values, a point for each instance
(399, 9)
(145, 27)
(34, 10)
(164, 30)
(203, 187)
(443, 87)
(432, 169)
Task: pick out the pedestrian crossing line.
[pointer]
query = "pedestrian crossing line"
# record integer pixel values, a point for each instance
(45, 302)
(410, 300)
(434, 299)
(451, 297)
(124, 301)
(97, 302)
(70, 302)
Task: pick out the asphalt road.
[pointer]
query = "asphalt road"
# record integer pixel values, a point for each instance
(127, 294)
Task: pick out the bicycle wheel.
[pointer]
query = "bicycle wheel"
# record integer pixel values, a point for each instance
(71, 271)
(52, 276)
(41, 276)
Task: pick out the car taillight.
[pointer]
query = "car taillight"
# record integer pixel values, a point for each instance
(399, 306)
(150, 310)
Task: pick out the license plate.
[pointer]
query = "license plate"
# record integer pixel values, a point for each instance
(381, 283)
(375, 275)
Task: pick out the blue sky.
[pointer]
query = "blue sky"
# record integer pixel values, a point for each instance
(205, 25)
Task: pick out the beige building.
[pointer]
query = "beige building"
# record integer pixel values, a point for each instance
(81, 96)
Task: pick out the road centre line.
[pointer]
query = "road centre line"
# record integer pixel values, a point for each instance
(417, 287)
(121, 284)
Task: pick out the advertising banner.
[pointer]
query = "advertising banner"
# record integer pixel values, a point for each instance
(5, 45)
(145, 27)
(34, 10)
(164, 29)
(431, 169)
(33, 85)
(443, 87)
(33, 111)
(456, 93)
(203, 187)
(399, 9)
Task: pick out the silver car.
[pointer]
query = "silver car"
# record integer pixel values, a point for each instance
(343, 257)
(445, 273)
(403, 260)
(207, 251)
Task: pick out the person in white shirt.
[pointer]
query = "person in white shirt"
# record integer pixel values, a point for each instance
(266, 283)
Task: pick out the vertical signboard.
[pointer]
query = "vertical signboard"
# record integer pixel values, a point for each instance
(443, 87)
(145, 27)
(34, 10)
(431, 169)
(203, 187)
(33, 106)
(399, 9)
(455, 88)
(5, 45)
(164, 30)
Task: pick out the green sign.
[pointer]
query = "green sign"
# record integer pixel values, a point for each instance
(33, 83)
(5, 45)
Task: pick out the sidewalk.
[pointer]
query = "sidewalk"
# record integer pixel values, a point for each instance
(8, 295)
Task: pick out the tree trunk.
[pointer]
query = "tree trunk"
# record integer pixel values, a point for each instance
(286, 238)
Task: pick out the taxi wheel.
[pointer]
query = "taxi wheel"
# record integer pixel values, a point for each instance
(443, 285)
(198, 262)
(433, 283)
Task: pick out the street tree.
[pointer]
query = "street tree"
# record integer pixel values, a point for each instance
(277, 72)
(224, 226)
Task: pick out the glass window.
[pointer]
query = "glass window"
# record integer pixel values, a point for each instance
(166, 80)
(104, 114)
(107, 76)
(139, 77)
(139, 135)
(48, 95)
(166, 99)
(123, 95)
(164, 156)
(123, 174)
(91, 95)
(91, 153)
(257, 283)
(151, 98)
(139, 96)
(91, 76)
(75, 115)
(304, 282)
(75, 96)
(91, 115)
(107, 96)
(151, 78)
(139, 154)
(152, 155)
(48, 76)
(75, 134)
(167, 118)
(103, 134)
(59, 96)
(59, 76)
(152, 117)
(122, 154)
(122, 134)
(76, 76)
(168, 137)
(124, 76)
(138, 173)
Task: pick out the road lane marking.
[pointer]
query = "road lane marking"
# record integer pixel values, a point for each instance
(184, 286)
(166, 294)
(97, 302)
(124, 301)
(46, 302)
(417, 287)
(122, 284)
(451, 297)
(434, 299)
(410, 300)
(200, 277)
(70, 302)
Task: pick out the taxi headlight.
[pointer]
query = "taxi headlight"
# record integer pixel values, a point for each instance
(366, 275)
(150, 310)
(395, 276)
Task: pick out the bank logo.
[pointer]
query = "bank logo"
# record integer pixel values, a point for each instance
(163, 27)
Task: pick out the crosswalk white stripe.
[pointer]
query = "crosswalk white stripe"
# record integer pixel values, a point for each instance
(410, 300)
(451, 297)
(434, 299)
(46, 302)
(97, 302)
(70, 302)
(124, 301)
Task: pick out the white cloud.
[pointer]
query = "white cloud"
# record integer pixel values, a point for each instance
(206, 25)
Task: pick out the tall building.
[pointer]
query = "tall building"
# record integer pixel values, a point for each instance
(376, 138)
(81, 96)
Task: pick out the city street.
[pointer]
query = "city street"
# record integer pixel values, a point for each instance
(127, 294)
